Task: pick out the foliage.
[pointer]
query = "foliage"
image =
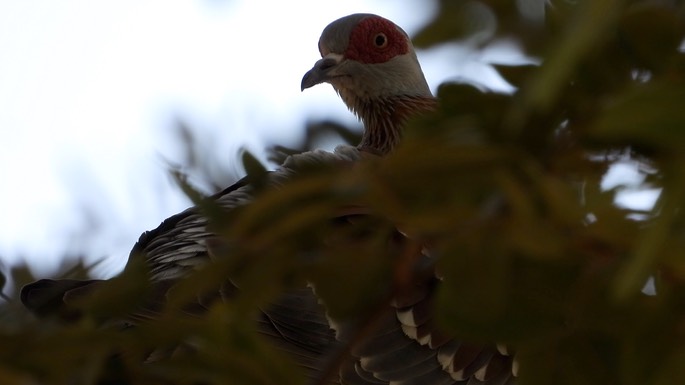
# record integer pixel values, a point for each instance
(506, 190)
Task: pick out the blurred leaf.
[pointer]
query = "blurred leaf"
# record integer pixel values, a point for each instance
(650, 114)
(458, 20)
(188, 189)
(649, 246)
(590, 20)
(252, 166)
(119, 296)
(352, 257)
(517, 75)
(3, 282)
(671, 370)
(653, 33)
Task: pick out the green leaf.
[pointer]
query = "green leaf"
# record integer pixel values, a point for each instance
(457, 20)
(517, 75)
(252, 165)
(590, 19)
(649, 114)
(653, 34)
(3, 282)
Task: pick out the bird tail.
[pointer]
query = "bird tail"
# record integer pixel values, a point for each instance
(49, 297)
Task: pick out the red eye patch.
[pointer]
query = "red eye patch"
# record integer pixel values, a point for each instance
(376, 40)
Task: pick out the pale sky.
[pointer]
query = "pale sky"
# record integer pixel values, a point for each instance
(90, 92)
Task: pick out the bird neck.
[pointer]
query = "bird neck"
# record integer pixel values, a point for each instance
(384, 120)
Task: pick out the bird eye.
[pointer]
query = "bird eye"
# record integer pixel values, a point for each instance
(380, 40)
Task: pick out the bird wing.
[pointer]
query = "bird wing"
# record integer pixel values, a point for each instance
(404, 347)
(179, 244)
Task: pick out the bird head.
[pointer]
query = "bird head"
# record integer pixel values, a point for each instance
(371, 64)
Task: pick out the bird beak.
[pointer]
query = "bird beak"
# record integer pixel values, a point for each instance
(321, 72)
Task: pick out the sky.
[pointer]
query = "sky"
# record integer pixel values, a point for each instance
(91, 94)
